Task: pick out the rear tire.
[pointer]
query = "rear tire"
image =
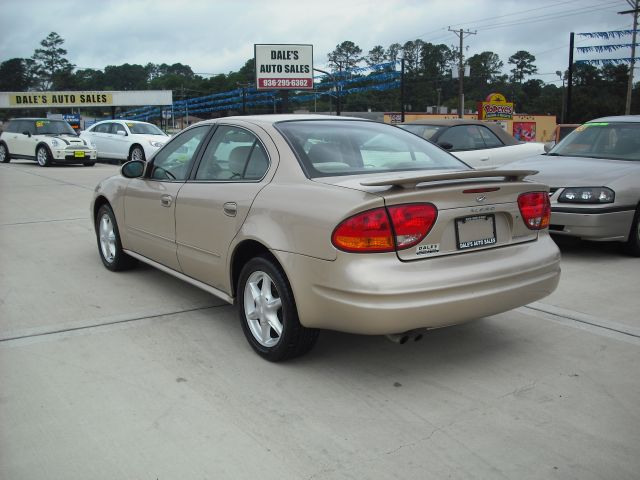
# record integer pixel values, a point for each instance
(633, 243)
(109, 245)
(43, 156)
(268, 312)
(4, 154)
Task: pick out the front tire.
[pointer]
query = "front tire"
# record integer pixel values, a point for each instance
(4, 154)
(89, 164)
(137, 153)
(109, 245)
(43, 156)
(268, 312)
(633, 243)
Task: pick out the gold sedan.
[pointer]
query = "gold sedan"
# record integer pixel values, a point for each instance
(310, 222)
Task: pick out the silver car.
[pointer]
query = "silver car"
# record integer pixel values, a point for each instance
(594, 174)
(310, 222)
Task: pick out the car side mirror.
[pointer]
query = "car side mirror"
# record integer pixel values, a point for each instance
(548, 146)
(28, 134)
(133, 169)
(122, 133)
(446, 145)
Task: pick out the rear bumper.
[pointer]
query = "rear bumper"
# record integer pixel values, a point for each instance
(612, 226)
(378, 294)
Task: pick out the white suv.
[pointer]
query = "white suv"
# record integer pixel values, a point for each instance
(46, 141)
(125, 140)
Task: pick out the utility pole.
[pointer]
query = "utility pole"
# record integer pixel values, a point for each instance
(462, 34)
(634, 5)
(567, 109)
(402, 88)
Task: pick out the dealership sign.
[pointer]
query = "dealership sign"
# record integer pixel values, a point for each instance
(495, 107)
(284, 67)
(85, 99)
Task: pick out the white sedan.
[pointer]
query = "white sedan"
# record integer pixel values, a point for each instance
(478, 144)
(125, 140)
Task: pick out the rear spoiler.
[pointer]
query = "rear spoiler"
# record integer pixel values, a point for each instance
(411, 181)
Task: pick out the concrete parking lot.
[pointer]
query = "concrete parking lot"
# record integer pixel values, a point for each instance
(137, 375)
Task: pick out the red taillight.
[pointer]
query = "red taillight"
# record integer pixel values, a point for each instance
(382, 230)
(535, 209)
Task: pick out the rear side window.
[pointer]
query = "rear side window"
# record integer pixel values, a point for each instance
(12, 127)
(102, 128)
(463, 137)
(347, 147)
(233, 154)
(425, 131)
(490, 138)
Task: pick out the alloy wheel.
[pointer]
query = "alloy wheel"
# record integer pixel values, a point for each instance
(263, 309)
(107, 238)
(137, 154)
(42, 156)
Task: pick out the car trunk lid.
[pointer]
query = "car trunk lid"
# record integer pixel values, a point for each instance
(476, 209)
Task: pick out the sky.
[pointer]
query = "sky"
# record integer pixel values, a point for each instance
(217, 36)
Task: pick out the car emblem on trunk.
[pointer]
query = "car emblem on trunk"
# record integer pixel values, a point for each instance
(480, 198)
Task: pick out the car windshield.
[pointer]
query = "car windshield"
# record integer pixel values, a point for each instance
(616, 141)
(425, 131)
(346, 147)
(145, 129)
(53, 127)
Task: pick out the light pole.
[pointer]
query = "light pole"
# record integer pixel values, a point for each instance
(244, 87)
(562, 109)
(333, 79)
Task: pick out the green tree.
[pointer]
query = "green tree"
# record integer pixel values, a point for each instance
(485, 66)
(375, 56)
(523, 65)
(49, 61)
(14, 75)
(393, 51)
(89, 79)
(436, 59)
(125, 77)
(346, 55)
(412, 55)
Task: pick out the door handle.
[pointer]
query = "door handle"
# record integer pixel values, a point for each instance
(484, 159)
(166, 200)
(230, 209)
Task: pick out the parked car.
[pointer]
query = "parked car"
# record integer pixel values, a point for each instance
(477, 143)
(561, 131)
(310, 222)
(594, 174)
(125, 140)
(46, 141)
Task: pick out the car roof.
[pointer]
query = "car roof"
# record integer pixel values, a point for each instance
(618, 119)
(493, 126)
(277, 118)
(39, 118)
(122, 120)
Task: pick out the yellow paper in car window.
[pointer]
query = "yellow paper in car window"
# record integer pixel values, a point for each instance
(39, 124)
(129, 125)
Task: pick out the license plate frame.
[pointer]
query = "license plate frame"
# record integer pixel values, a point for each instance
(78, 154)
(475, 235)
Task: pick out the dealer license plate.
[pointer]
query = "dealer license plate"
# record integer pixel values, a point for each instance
(78, 154)
(475, 231)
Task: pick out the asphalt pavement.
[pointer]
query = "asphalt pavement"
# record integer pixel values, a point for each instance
(137, 375)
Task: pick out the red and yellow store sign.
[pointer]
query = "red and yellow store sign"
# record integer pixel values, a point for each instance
(495, 107)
